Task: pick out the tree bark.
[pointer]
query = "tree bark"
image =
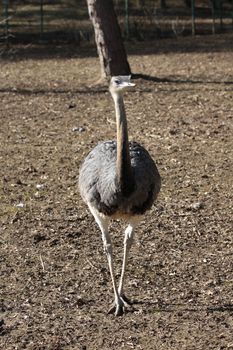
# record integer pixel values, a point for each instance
(110, 47)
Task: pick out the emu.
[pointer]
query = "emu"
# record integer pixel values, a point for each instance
(119, 180)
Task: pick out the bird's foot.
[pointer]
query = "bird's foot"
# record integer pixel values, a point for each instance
(126, 300)
(119, 308)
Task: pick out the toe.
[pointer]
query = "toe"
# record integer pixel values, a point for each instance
(112, 309)
(119, 310)
(126, 301)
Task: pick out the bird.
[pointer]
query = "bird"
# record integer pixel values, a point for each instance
(119, 180)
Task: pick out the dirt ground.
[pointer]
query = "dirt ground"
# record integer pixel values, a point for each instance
(55, 284)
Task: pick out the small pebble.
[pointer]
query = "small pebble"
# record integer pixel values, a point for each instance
(20, 205)
(72, 105)
(78, 129)
(197, 206)
(39, 186)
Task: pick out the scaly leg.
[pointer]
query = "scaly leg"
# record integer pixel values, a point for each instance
(128, 241)
(103, 223)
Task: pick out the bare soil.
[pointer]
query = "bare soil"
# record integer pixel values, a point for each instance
(55, 284)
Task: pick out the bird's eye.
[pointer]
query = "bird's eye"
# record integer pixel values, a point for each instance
(117, 82)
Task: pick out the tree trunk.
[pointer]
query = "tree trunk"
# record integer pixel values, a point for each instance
(163, 4)
(111, 51)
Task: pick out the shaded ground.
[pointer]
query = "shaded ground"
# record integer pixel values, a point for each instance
(55, 285)
(62, 21)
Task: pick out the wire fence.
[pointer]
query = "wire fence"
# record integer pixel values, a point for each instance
(68, 21)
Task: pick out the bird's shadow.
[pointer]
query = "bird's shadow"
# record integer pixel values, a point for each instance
(171, 308)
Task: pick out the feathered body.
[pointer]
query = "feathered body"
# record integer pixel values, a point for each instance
(99, 185)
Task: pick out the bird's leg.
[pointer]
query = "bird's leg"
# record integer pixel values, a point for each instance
(128, 241)
(118, 305)
(103, 223)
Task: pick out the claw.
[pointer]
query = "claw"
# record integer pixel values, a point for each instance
(119, 308)
(126, 301)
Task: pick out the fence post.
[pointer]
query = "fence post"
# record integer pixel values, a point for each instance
(213, 4)
(193, 17)
(6, 20)
(232, 13)
(220, 5)
(41, 18)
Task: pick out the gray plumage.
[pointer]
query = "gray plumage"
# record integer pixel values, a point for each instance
(119, 180)
(99, 186)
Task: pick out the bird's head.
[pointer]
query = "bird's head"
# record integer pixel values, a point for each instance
(120, 83)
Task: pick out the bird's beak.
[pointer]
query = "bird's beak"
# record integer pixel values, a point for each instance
(128, 84)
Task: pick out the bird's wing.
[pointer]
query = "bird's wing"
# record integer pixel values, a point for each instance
(97, 177)
(147, 179)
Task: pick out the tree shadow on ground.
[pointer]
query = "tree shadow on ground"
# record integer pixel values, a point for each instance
(164, 307)
(103, 88)
(42, 50)
(179, 80)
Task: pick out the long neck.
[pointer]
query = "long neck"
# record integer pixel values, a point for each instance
(124, 172)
